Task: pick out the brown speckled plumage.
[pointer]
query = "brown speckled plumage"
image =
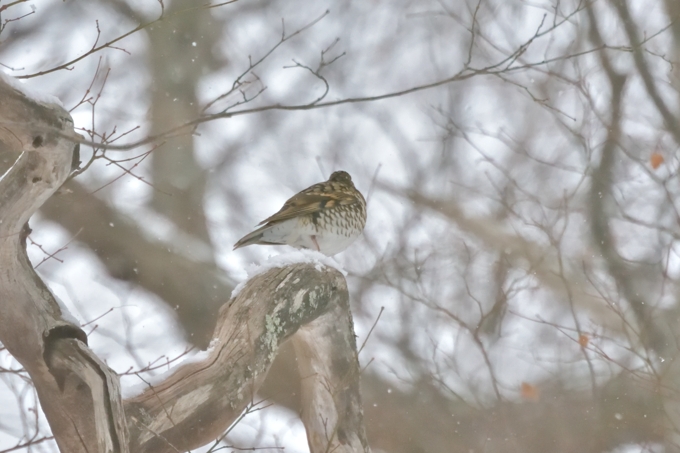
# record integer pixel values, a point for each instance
(326, 217)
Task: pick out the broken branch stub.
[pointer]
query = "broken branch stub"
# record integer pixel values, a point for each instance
(332, 412)
(78, 393)
(199, 401)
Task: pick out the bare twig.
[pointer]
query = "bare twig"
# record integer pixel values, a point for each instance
(109, 44)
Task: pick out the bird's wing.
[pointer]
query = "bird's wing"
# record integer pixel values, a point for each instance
(308, 202)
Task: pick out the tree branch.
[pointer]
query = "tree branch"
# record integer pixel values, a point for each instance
(200, 400)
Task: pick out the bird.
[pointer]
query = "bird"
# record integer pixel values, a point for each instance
(327, 217)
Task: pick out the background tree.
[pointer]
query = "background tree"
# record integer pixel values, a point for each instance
(521, 166)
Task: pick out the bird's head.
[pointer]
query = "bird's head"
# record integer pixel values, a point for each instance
(341, 176)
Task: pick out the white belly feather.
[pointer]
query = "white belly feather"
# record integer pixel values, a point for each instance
(300, 233)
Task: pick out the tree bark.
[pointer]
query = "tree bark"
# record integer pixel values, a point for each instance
(326, 354)
(78, 393)
(199, 401)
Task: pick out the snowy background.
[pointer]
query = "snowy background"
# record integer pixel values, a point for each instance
(508, 255)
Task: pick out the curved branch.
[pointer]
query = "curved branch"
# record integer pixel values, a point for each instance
(199, 401)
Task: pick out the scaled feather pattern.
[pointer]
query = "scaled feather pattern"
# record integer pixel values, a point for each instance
(327, 217)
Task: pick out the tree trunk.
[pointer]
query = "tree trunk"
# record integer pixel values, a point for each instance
(78, 393)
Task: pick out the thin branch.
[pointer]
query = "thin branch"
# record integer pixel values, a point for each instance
(238, 82)
(371, 331)
(109, 44)
(463, 74)
(28, 444)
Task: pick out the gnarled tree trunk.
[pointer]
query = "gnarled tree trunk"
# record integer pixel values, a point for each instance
(78, 393)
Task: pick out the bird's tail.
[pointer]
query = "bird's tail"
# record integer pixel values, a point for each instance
(256, 237)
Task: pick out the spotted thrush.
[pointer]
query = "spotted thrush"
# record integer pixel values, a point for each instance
(326, 217)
